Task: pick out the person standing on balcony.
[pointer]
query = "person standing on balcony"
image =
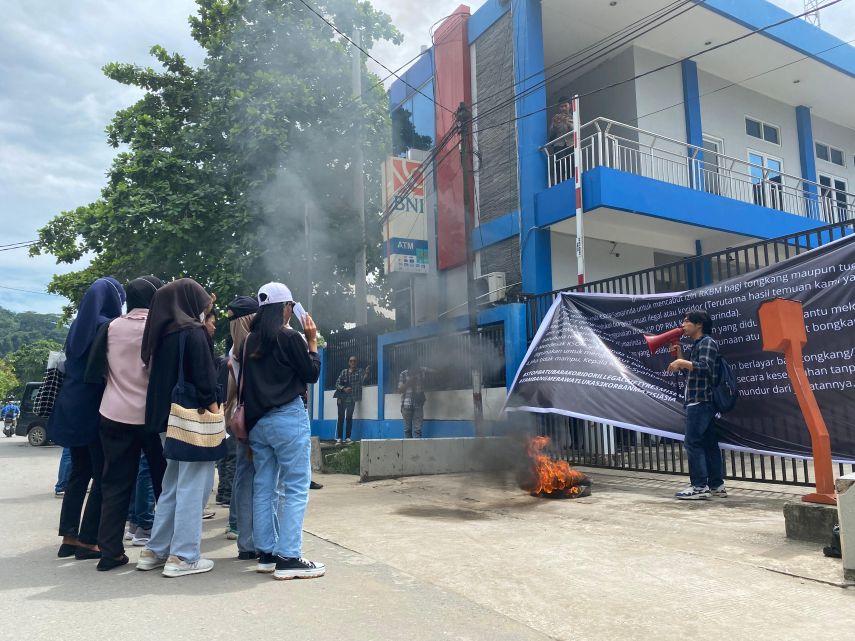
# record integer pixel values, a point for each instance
(348, 391)
(562, 125)
(411, 386)
(705, 464)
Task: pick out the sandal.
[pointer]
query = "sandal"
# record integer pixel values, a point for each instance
(107, 563)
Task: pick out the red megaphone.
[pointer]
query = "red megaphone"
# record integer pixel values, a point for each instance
(672, 336)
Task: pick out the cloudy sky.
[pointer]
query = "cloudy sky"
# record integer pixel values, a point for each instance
(55, 103)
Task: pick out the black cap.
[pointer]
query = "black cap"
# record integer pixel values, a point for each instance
(241, 306)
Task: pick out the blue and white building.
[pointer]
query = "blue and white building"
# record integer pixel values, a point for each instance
(690, 143)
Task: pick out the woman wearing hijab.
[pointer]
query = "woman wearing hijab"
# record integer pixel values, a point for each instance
(74, 421)
(279, 364)
(240, 312)
(115, 357)
(175, 316)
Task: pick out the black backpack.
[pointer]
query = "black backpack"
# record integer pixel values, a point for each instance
(725, 391)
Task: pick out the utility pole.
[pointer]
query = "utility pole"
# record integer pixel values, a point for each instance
(360, 268)
(309, 257)
(577, 178)
(464, 118)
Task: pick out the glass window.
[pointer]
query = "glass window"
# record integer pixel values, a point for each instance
(821, 151)
(753, 128)
(413, 125)
(770, 134)
(836, 156)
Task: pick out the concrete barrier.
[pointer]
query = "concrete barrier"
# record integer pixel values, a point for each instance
(846, 512)
(392, 458)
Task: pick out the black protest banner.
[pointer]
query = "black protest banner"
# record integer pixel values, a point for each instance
(589, 358)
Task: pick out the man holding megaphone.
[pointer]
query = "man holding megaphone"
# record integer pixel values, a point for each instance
(705, 464)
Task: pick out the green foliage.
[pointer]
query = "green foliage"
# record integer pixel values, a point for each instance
(344, 460)
(220, 161)
(27, 327)
(8, 381)
(29, 361)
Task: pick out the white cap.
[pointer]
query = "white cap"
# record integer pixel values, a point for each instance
(273, 293)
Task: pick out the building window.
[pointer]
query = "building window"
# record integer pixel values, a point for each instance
(763, 131)
(834, 199)
(829, 154)
(413, 125)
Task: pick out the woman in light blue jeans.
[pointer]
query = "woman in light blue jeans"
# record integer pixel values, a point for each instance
(279, 364)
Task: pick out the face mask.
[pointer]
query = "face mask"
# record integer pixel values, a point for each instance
(202, 317)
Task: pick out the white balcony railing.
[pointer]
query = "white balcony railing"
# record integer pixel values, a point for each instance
(607, 143)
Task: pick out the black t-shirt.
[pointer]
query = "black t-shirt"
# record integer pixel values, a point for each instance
(277, 377)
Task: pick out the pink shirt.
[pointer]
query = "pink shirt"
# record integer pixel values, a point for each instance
(127, 377)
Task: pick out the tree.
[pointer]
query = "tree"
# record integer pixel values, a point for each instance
(29, 361)
(17, 329)
(8, 382)
(222, 159)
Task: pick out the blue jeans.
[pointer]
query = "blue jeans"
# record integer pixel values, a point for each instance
(705, 465)
(177, 528)
(240, 509)
(64, 470)
(281, 449)
(141, 512)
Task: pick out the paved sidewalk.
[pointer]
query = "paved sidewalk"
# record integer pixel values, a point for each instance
(450, 557)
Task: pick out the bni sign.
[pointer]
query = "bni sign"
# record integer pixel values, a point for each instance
(396, 173)
(407, 255)
(404, 230)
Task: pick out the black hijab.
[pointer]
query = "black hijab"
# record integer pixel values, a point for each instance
(175, 306)
(141, 290)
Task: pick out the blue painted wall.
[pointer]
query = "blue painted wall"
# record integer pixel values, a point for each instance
(535, 243)
(605, 187)
(807, 157)
(484, 18)
(496, 230)
(418, 74)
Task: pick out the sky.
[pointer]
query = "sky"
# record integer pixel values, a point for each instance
(55, 103)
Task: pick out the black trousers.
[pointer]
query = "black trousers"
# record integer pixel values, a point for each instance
(226, 472)
(122, 445)
(345, 411)
(87, 464)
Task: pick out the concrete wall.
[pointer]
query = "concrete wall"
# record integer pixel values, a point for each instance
(617, 103)
(723, 115)
(452, 405)
(365, 409)
(599, 262)
(842, 138)
(656, 92)
(391, 458)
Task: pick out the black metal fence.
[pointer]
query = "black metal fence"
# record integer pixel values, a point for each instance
(599, 445)
(359, 342)
(695, 271)
(449, 359)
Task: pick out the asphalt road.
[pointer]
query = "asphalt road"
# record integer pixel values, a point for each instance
(448, 557)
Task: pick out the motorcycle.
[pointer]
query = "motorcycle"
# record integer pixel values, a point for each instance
(9, 425)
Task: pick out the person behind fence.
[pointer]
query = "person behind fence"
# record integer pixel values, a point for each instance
(705, 463)
(561, 125)
(411, 386)
(75, 419)
(279, 364)
(348, 392)
(177, 350)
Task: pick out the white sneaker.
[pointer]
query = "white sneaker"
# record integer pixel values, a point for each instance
(141, 537)
(693, 493)
(175, 567)
(129, 533)
(719, 492)
(149, 560)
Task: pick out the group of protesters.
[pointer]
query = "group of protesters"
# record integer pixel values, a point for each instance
(144, 386)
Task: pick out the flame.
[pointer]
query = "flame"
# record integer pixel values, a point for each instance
(549, 476)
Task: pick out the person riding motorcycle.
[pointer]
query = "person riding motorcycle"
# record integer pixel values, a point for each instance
(9, 414)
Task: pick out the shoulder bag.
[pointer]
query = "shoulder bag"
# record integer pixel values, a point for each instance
(193, 433)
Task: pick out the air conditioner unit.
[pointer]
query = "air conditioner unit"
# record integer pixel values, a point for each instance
(490, 288)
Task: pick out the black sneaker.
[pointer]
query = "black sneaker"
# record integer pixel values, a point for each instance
(266, 563)
(295, 568)
(247, 556)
